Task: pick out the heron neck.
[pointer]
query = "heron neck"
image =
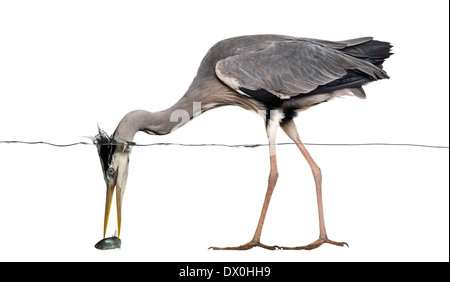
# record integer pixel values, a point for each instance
(192, 104)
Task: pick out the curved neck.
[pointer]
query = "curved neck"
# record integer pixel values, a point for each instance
(199, 98)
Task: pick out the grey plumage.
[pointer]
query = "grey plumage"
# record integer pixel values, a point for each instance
(273, 75)
(297, 71)
(290, 67)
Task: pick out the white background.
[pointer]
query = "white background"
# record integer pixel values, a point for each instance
(67, 65)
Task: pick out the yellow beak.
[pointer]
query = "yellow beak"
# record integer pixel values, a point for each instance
(109, 196)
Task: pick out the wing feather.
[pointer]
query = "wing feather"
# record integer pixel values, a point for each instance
(291, 67)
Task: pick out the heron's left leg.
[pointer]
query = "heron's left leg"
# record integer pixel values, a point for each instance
(291, 131)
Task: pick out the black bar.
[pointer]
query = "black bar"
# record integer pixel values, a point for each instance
(225, 271)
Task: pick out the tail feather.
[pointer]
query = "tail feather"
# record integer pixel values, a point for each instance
(374, 51)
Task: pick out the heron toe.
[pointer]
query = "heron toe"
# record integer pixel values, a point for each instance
(247, 246)
(316, 244)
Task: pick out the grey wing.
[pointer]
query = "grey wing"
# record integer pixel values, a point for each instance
(289, 68)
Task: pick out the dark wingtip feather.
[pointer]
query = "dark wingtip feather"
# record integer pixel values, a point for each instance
(374, 51)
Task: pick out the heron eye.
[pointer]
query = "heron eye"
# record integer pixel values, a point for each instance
(111, 171)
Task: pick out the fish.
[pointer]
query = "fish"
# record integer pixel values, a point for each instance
(109, 243)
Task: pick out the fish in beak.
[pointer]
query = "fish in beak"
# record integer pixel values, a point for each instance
(114, 158)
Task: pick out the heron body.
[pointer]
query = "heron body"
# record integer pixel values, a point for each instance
(273, 75)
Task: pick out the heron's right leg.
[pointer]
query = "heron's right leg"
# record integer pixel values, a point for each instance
(273, 177)
(255, 242)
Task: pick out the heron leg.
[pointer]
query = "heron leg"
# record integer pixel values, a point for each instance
(273, 177)
(255, 242)
(291, 131)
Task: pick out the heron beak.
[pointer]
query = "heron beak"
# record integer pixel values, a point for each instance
(109, 196)
(119, 185)
(119, 195)
(114, 160)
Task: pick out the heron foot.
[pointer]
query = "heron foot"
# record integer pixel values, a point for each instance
(247, 246)
(316, 244)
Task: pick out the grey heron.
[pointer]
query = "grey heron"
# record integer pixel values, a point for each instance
(273, 75)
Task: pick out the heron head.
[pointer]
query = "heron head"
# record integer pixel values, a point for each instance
(114, 157)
